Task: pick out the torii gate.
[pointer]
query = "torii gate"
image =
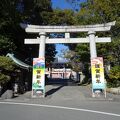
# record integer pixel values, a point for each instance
(90, 29)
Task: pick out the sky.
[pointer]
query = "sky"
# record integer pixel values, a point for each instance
(62, 4)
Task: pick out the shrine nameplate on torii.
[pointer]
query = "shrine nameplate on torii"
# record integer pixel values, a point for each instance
(90, 29)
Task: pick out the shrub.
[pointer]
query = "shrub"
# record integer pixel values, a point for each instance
(7, 67)
(114, 77)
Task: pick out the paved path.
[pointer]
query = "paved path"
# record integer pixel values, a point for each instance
(59, 93)
(65, 91)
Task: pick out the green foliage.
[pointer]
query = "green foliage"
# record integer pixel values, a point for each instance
(83, 52)
(115, 73)
(6, 45)
(100, 11)
(114, 53)
(73, 59)
(62, 17)
(50, 54)
(114, 77)
(37, 11)
(14, 12)
(9, 26)
(6, 69)
(110, 55)
(4, 78)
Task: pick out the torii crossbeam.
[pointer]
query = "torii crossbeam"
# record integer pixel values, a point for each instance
(91, 29)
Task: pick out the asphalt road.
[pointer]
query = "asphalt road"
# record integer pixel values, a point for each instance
(26, 111)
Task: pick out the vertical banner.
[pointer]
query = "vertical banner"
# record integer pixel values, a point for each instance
(38, 81)
(97, 69)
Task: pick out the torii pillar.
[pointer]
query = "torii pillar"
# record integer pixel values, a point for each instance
(42, 44)
(93, 52)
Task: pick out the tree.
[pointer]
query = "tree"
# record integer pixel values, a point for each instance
(39, 12)
(75, 4)
(111, 56)
(12, 35)
(101, 11)
(10, 19)
(62, 17)
(50, 54)
(6, 45)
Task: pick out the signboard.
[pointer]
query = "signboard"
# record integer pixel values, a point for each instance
(38, 82)
(98, 81)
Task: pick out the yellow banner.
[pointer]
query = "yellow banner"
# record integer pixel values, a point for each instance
(97, 69)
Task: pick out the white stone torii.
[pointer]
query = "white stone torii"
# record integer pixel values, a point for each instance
(90, 29)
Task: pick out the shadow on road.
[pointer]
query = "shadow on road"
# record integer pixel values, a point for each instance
(52, 91)
(59, 83)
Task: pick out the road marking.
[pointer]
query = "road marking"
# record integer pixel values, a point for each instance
(62, 107)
